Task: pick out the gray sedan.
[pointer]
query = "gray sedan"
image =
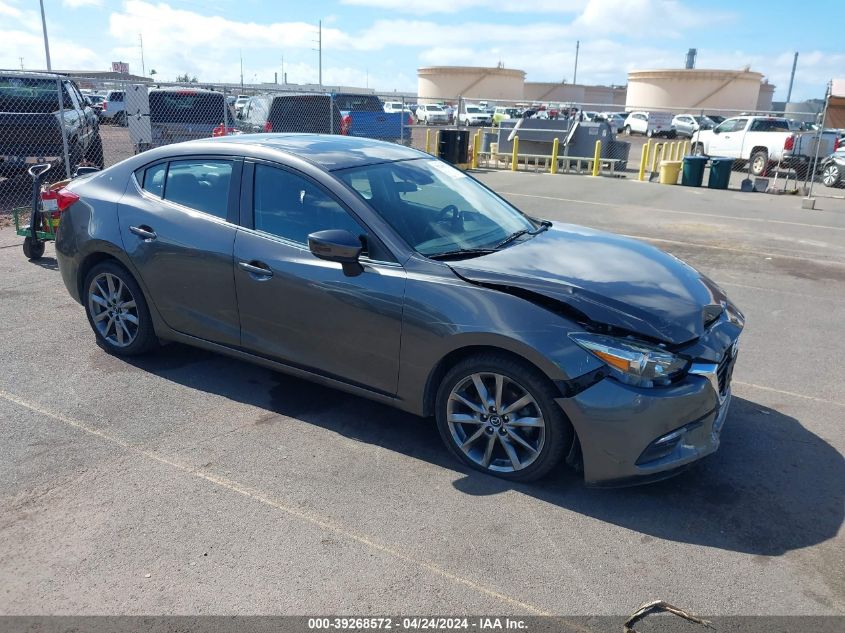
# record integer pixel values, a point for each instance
(382, 271)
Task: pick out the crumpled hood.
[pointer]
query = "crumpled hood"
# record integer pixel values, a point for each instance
(612, 280)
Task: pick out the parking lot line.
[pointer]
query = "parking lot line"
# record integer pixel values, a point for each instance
(746, 251)
(789, 393)
(674, 211)
(792, 293)
(263, 498)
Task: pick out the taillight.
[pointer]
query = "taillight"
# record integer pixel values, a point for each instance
(837, 144)
(65, 198)
(220, 130)
(345, 124)
(268, 127)
(789, 143)
(105, 105)
(410, 120)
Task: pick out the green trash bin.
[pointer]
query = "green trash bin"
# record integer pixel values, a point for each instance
(693, 171)
(720, 172)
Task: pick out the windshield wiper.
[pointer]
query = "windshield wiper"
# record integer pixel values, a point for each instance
(461, 253)
(544, 225)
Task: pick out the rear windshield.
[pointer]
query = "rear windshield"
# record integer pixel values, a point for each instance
(358, 103)
(28, 94)
(186, 107)
(769, 125)
(305, 113)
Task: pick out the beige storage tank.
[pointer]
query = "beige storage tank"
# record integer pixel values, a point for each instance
(693, 89)
(438, 83)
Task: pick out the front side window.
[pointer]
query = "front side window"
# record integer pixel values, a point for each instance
(288, 205)
(435, 207)
(200, 184)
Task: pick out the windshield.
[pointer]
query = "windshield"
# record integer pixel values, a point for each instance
(435, 207)
(187, 107)
(27, 94)
(473, 110)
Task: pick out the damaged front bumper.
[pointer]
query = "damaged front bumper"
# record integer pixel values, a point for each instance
(630, 435)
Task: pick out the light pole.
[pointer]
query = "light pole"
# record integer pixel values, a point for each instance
(58, 91)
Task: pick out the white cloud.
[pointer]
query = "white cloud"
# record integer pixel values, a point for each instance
(8, 10)
(423, 7)
(75, 4)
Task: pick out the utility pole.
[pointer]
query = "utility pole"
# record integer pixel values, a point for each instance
(143, 67)
(242, 70)
(792, 77)
(21, 58)
(575, 74)
(58, 90)
(320, 51)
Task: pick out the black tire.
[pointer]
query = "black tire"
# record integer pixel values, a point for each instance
(627, 129)
(120, 119)
(832, 175)
(759, 163)
(95, 152)
(557, 430)
(145, 338)
(33, 251)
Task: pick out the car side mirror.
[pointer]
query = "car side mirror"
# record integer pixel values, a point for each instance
(338, 245)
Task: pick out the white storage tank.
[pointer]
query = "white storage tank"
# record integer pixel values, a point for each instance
(439, 83)
(693, 89)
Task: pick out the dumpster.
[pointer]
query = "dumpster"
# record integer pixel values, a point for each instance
(720, 173)
(669, 170)
(454, 147)
(693, 171)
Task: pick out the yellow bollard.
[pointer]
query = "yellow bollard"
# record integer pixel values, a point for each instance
(677, 154)
(685, 151)
(555, 149)
(428, 141)
(654, 157)
(644, 161)
(662, 153)
(476, 147)
(671, 153)
(597, 159)
(515, 156)
(437, 144)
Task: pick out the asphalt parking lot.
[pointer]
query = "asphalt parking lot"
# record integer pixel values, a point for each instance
(189, 483)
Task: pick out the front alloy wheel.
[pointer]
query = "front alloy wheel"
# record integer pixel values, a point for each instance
(831, 175)
(113, 309)
(498, 415)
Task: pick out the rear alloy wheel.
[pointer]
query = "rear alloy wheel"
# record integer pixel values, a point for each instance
(499, 416)
(831, 175)
(117, 310)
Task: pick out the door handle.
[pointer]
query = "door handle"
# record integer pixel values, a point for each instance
(259, 269)
(144, 232)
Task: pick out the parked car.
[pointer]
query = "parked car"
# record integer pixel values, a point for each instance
(430, 113)
(763, 141)
(364, 115)
(96, 102)
(614, 119)
(396, 106)
(240, 102)
(832, 168)
(475, 115)
(649, 124)
(503, 113)
(688, 124)
(716, 118)
(113, 108)
(31, 127)
(291, 113)
(390, 274)
(184, 114)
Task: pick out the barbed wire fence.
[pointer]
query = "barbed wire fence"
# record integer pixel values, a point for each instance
(107, 121)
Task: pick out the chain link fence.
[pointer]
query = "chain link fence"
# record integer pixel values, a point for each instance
(92, 122)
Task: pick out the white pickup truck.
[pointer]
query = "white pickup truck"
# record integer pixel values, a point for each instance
(764, 141)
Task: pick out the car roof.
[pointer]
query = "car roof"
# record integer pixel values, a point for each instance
(327, 151)
(27, 74)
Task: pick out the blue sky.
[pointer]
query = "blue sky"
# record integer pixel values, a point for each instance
(380, 43)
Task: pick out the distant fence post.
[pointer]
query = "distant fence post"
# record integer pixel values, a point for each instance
(331, 112)
(402, 128)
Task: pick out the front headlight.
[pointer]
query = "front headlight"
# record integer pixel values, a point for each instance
(633, 362)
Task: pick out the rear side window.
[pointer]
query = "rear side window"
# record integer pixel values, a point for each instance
(200, 184)
(152, 179)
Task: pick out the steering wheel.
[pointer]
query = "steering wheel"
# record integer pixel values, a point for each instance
(456, 222)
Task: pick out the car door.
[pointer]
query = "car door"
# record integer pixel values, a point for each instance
(728, 142)
(178, 224)
(304, 311)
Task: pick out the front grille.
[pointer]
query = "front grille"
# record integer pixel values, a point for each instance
(725, 369)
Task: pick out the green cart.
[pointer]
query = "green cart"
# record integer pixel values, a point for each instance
(36, 224)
